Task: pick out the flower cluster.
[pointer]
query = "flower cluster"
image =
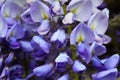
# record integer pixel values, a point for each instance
(54, 40)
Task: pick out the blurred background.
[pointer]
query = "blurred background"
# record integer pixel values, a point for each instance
(114, 26)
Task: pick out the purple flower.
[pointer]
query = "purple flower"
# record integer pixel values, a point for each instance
(106, 75)
(9, 58)
(69, 18)
(37, 43)
(16, 71)
(82, 9)
(108, 63)
(84, 52)
(56, 7)
(61, 61)
(81, 33)
(44, 27)
(39, 11)
(43, 70)
(5, 72)
(16, 32)
(59, 37)
(26, 46)
(78, 66)
(12, 9)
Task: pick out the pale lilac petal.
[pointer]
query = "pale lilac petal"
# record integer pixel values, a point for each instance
(78, 66)
(81, 33)
(16, 31)
(59, 35)
(82, 9)
(26, 46)
(112, 62)
(99, 23)
(43, 70)
(69, 18)
(106, 75)
(10, 9)
(102, 39)
(63, 57)
(3, 27)
(38, 42)
(64, 77)
(84, 12)
(44, 27)
(56, 7)
(97, 3)
(39, 11)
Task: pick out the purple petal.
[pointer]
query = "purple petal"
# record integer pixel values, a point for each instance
(63, 57)
(16, 31)
(26, 46)
(61, 66)
(3, 27)
(59, 35)
(97, 63)
(106, 75)
(14, 44)
(112, 62)
(84, 52)
(37, 42)
(39, 55)
(9, 58)
(99, 23)
(26, 17)
(64, 77)
(69, 18)
(11, 9)
(56, 7)
(44, 27)
(5, 72)
(43, 70)
(81, 33)
(81, 8)
(99, 49)
(39, 11)
(10, 22)
(78, 66)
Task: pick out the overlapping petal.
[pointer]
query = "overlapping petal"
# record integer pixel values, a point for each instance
(39, 11)
(78, 66)
(106, 75)
(82, 9)
(99, 23)
(81, 33)
(43, 70)
(37, 43)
